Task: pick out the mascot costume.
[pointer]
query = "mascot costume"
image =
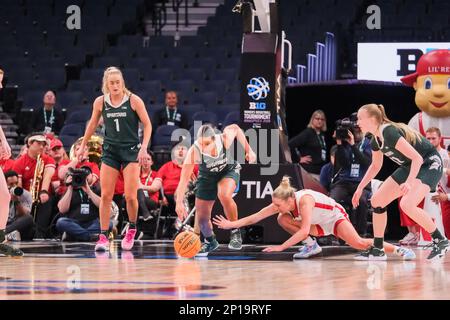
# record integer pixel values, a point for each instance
(431, 81)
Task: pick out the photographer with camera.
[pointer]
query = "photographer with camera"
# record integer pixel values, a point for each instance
(76, 164)
(20, 222)
(353, 158)
(79, 207)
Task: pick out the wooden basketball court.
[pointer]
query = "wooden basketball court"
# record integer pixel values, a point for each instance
(55, 270)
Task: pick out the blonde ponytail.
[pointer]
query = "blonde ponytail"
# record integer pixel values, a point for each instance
(379, 113)
(284, 191)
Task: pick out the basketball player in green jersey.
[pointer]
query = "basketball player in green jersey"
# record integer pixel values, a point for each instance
(218, 177)
(121, 111)
(419, 172)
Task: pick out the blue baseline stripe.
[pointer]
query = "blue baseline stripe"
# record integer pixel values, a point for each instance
(230, 258)
(87, 282)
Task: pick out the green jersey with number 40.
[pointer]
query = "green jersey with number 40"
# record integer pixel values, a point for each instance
(121, 122)
(391, 135)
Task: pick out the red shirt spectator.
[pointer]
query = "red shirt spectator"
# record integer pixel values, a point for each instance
(91, 165)
(170, 174)
(147, 180)
(63, 162)
(120, 185)
(59, 189)
(6, 164)
(57, 152)
(25, 165)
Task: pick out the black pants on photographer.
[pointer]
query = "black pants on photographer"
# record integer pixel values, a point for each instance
(342, 192)
(24, 225)
(43, 219)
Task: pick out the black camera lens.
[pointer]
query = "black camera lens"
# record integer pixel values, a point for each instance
(79, 177)
(16, 191)
(343, 126)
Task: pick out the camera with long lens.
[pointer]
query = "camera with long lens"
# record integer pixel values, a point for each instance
(78, 176)
(16, 191)
(345, 125)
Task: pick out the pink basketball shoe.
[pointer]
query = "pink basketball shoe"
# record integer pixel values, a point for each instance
(102, 243)
(128, 240)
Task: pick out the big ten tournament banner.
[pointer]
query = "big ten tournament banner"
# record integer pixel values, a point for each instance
(253, 193)
(392, 61)
(258, 105)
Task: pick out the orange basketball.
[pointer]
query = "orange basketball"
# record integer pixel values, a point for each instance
(187, 244)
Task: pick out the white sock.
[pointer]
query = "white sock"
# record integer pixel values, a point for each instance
(309, 241)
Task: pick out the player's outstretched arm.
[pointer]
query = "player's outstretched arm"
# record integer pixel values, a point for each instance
(5, 150)
(186, 172)
(224, 223)
(306, 206)
(92, 125)
(232, 132)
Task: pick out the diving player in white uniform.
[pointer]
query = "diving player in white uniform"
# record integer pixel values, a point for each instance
(309, 213)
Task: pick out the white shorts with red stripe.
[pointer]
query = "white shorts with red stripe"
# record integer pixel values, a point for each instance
(330, 227)
(326, 215)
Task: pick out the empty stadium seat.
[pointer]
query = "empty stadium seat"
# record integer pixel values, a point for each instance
(79, 117)
(205, 117)
(68, 99)
(232, 118)
(162, 136)
(75, 130)
(33, 99)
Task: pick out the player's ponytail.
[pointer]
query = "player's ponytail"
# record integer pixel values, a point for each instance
(378, 112)
(284, 191)
(107, 73)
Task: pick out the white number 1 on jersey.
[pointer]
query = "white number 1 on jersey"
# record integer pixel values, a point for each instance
(117, 125)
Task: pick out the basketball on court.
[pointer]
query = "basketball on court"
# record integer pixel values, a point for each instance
(187, 244)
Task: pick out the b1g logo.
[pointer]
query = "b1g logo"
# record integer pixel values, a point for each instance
(409, 59)
(257, 106)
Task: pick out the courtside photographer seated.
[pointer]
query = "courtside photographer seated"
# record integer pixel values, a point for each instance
(20, 225)
(79, 207)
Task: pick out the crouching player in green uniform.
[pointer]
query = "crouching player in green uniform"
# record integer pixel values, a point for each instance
(218, 177)
(419, 172)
